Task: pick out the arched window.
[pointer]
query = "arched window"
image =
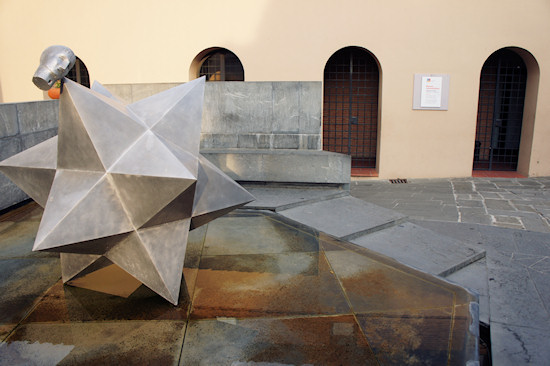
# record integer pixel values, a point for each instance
(221, 65)
(79, 73)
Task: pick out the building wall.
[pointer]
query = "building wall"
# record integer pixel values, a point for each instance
(141, 41)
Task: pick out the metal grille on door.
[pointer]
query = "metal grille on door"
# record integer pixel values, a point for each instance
(350, 107)
(500, 112)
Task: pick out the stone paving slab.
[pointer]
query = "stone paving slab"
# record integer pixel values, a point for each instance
(517, 297)
(24, 275)
(421, 248)
(498, 205)
(344, 218)
(518, 277)
(423, 199)
(517, 345)
(95, 343)
(427, 210)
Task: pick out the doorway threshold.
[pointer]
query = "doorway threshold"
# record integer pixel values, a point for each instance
(496, 174)
(364, 172)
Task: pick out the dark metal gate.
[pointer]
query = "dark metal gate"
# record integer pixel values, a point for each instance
(350, 107)
(500, 112)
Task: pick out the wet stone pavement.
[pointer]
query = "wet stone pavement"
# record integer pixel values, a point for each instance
(258, 289)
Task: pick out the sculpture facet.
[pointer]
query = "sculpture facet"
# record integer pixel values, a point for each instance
(124, 184)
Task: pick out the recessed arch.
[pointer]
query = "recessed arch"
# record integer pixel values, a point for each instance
(507, 101)
(351, 89)
(79, 73)
(217, 64)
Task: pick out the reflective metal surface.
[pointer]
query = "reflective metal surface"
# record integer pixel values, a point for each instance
(124, 185)
(55, 63)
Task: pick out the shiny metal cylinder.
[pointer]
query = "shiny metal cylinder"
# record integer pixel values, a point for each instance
(55, 63)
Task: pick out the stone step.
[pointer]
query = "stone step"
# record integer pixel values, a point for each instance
(277, 198)
(282, 165)
(421, 248)
(345, 217)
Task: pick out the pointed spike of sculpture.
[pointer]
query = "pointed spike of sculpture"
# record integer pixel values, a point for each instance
(109, 128)
(167, 244)
(97, 87)
(178, 124)
(216, 191)
(33, 170)
(75, 149)
(132, 256)
(42, 155)
(152, 109)
(72, 264)
(35, 182)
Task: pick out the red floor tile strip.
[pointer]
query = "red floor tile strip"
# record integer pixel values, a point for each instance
(495, 174)
(364, 172)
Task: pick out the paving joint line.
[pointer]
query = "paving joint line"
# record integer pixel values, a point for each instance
(459, 213)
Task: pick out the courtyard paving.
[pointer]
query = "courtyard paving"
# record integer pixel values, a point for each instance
(489, 235)
(512, 203)
(509, 219)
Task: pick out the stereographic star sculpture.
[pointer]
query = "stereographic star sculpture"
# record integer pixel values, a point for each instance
(124, 184)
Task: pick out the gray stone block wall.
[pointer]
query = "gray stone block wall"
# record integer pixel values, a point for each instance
(23, 125)
(262, 115)
(251, 115)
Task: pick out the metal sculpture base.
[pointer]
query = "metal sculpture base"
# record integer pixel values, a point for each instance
(122, 185)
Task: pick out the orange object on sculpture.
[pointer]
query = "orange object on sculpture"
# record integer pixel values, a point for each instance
(54, 92)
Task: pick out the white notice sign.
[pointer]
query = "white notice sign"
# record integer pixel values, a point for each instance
(430, 95)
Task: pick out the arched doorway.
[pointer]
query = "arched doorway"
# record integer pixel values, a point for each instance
(500, 112)
(350, 106)
(219, 64)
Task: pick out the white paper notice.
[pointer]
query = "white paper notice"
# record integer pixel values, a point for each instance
(430, 96)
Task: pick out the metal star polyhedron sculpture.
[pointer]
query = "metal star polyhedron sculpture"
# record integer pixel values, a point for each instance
(124, 184)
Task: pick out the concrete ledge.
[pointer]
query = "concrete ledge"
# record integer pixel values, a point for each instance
(282, 166)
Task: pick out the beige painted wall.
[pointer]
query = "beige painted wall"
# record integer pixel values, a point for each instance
(143, 41)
